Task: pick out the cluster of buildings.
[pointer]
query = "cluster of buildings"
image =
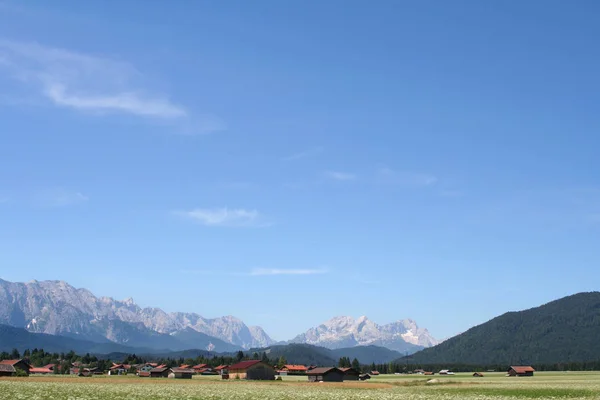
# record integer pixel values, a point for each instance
(249, 370)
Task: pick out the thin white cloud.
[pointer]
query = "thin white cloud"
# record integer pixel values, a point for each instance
(340, 176)
(94, 84)
(58, 197)
(277, 271)
(224, 217)
(389, 176)
(305, 154)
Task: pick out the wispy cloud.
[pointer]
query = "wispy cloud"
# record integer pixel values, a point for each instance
(225, 217)
(58, 197)
(387, 175)
(315, 151)
(340, 176)
(92, 83)
(277, 271)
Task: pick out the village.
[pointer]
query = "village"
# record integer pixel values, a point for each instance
(246, 370)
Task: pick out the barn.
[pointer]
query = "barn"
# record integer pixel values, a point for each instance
(181, 373)
(477, 374)
(350, 374)
(252, 370)
(159, 372)
(7, 370)
(326, 374)
(17, 364)
(523, 370)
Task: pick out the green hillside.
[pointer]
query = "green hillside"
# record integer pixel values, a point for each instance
(561, 331)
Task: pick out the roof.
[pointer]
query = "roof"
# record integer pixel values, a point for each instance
(374, 372)
(220, 367)
(159, 369)
(184, 366)
(199, 366)
(294, 367)
(40, 371)
(522, 369)
(50, 366)
(322, 370)
(245, 364)
(348, 370)
(9, 362)
(183, 370)
(144, 373)
(6, 368)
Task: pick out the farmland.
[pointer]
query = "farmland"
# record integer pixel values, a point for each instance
(461, 386)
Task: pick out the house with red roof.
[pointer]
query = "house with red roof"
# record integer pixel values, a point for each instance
(252, 370)
(523, 370)
(40, 371)
(293, 369)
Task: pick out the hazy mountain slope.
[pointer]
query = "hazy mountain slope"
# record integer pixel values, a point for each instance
(560, 331)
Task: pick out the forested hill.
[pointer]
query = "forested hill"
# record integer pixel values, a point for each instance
(564, 330)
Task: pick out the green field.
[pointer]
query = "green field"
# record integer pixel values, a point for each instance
(549, 385)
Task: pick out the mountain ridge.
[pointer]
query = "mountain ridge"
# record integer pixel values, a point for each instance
(345, 331)
(562, 330)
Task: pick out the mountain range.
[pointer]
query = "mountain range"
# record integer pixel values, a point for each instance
(57, 308)
(562, 331)
(340, 332)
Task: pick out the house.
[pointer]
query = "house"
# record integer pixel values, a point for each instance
(374, 372)
(326, 374)
(159, 372)
(477, 374)
(40, 371)
(181, 373)
(51, 367)
(118, 369)
(524, 370)
(198, 368)
(419, 371)
(293, 369)
(222, 370)
(17, 364)
(446, 372)
(428, 373)
(364, 377)
(350, 374)
(253, 370)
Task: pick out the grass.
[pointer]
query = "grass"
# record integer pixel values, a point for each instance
(494, 386)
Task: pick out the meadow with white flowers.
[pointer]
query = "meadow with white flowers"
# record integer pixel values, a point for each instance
(461, 386)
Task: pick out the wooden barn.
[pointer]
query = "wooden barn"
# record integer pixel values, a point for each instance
(159, 372)
(181, 373)
(523, 370)
(350, 374)
(327, 374)
(17, 364)
(7, 370)
(477, 374)
(364, 377)
(252, 370)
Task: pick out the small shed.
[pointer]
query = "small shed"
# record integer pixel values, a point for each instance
(252, 370)
(522, 370)
(181, 373)
(364, 377)
(350, 374)
(374, 372)
(477, 374)
(326, 374)
(162, 372)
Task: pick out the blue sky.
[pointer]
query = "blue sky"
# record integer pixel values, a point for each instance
(287, 162)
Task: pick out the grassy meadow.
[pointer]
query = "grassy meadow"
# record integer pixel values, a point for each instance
(545, 385)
